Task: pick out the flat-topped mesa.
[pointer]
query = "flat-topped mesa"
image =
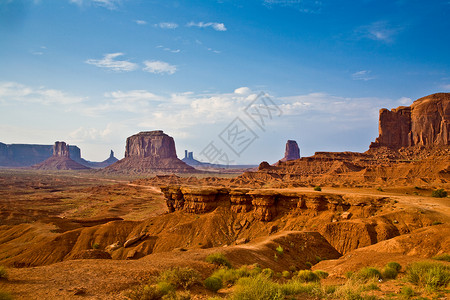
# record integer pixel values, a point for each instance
(425, 123)
(292, 151)
(61, 149)
(150, 152)
(155, 144)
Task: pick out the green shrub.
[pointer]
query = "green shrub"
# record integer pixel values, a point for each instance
(349, 274)
(389, 273)
(295, 287)
(268, 272)
(144, 292)
(318, 259)
(436, 223)
(231, 276)
(257, 288)
(95, 246)
(3, 273)
(180, 277)
(279, 250)
(165, 287)
(439, 193)
(368, 273)
(394, 265)
(306, 276)
(218, 259)
(429, 275)
(213, 283)
(286, 274)
(370, 287)
(443, 256)
(321, 274)
(317, 188)
(5, 296)
(406, 292)
(308, 264)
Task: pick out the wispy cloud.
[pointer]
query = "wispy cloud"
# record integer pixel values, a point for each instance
(140, 22)
(109, 4)
(306, 6)
(167, 25)
(378, 31)
(168, 49)
(40, 51)
(363, 75)
(446, 87)
(13, 91)
(159, 67)
(110, 63)
(214, 25)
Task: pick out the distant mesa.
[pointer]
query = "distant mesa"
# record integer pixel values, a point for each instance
(60, 160)
(190, 160)
(26, 155)
(149, 152)
(425, 123)
(292, 151)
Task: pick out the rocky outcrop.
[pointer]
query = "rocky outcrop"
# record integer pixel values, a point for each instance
(150, 152)
(266, 205)
(292, 151)
(425, 123)
(60, 160)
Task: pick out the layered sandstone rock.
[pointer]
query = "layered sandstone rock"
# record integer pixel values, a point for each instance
(149, 152)
(425, 123)
(60, 160)
(292, 151)
(266, 205)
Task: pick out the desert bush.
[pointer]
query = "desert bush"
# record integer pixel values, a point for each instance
(5, 296)
(286, 274)
(268, 272)
(443, 257)
(308, 264)
(367, 273)
(213, 283)
(429, 275)
(306, 276)
(279, 250)
(95, 246)
(370, 287)
(145, 292)
(3, 273)
(295, 287)
(321, 274)
(218, 259)
(389, 273)
(394, 265)
(231, 276)
(180, 277)
(317, 188)
(406, 292)
(165, 287)
(439, 193)
(436, 223)
(349, 274)
(257, 288)
(181, 295)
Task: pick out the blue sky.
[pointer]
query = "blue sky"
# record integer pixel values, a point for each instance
(93, 72)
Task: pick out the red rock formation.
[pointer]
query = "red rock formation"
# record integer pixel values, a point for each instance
(60, 160)
(149, 152)
(292, 151)
(425, 123)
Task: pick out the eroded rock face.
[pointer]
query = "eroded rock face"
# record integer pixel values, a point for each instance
(292, 151)
(265, 205)
(425, 123)
(155, 144)
(60, 149)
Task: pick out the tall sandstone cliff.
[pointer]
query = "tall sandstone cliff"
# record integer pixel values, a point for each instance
(148, 152)
(425, 123)
(292, 151)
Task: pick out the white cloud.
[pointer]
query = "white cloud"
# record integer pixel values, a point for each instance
(405, 101)
(13, 91)
(109, 62)
(167, 25)
(109, 4)
(378, 31)
(168, 49)
(214, 25)
(242, 90)
(140, 22)
(159, 67)
(363, 75)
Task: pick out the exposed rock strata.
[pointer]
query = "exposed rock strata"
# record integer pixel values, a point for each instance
(292, 151)
(60, 160)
